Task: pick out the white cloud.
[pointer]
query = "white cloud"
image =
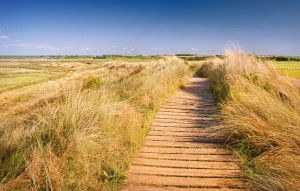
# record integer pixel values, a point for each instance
(131, 49)
(22, 45)
(37, 46)
(85, 49)
(4, 37)
(45, 46)
(194, 49)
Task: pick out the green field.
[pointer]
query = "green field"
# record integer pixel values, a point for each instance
(289, 68)
(22, 72)
(16, 80)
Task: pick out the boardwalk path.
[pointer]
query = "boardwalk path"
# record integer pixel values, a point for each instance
(177, 153)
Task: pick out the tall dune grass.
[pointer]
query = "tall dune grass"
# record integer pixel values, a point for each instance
(261, 118)
(85, 140)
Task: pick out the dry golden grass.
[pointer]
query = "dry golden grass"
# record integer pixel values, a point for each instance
(261, 118)
(85, 139)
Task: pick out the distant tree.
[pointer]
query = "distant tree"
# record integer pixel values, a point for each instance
(282, 58)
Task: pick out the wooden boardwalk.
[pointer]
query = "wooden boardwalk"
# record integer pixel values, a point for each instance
(178, 155)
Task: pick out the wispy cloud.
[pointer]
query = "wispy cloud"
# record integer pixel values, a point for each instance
(85, 49)
(194, 49)
(4, 37)
(22, 45)
(37, 46)
(45, 46)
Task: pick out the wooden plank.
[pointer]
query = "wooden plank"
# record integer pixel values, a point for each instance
(193, 110)
(194, 93)
(172, 124)
(195, 103)
(184, 114)
(185, 118)
(192, 157)
(184, 99)
(178, 134)
(179, 152)
(154, 188)
(187, 107)
(196, 122)
(184, 181)
(179, 129)
(183, 172)
(186, 95)
(207, 151)
(181, 144)
(182, 139)
(173, 112)
(188, 103)
(186, 164)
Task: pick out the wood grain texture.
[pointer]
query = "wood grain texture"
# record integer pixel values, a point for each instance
(180, 152)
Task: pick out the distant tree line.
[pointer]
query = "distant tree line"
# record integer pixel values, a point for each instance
(282, 58)
(116, 56)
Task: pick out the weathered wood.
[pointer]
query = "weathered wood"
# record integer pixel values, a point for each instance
(154, 188)
(184, 114)
(184, 172)
(196, 119)
(186, 164)
(199, 151)
(181, 144)
(172, 124)
(184, 181)
(180, 152)
(193, 157)
(179, 134)
(187, 115)
(179, 129)
(190, 110)
(182, 139)
(189, 104)
(188, 107)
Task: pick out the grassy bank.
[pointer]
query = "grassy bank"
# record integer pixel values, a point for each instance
(85, 139)
(261, 118)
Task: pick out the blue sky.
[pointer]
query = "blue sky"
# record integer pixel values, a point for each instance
(131, 27)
